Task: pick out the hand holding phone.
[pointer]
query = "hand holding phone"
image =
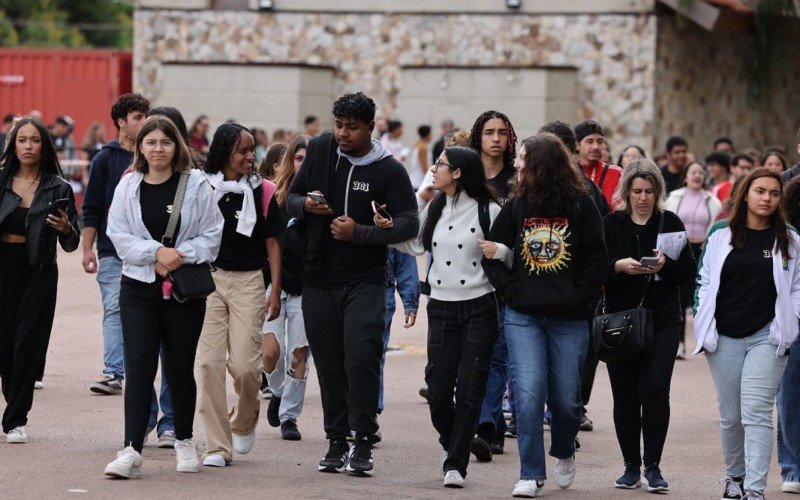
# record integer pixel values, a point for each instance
(649, 261)
(318, 197)
(316, 204)
(59, 205)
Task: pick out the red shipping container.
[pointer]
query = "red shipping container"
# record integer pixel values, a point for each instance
(80, 83)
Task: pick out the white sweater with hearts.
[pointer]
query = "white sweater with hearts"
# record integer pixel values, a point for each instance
(456, 273)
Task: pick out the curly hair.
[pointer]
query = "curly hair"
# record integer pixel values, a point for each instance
(226, 140)
(477, 132)
(128, 103)
(550, 184)
(359, 106)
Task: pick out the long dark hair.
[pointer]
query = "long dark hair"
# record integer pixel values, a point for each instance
(550, 184)
(472, 182)
(226, 140)
(48, 162)
(477, 133)
(738, 218)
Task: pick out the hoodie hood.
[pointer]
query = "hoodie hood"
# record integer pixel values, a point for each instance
(114, 144)
(378, 153)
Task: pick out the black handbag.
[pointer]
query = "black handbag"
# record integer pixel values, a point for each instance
(190, 281)
(624, 335)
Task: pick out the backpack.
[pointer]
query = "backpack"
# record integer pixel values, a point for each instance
(267, 191)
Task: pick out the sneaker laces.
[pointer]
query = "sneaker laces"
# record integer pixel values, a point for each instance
(732, 488)
(654, 472)
(337, 448)
(185, 449)
(362, 449)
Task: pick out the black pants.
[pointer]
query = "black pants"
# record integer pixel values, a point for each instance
(461, 337)
(641, 398)
(344, 327)
(148, 322)
(27, 307)
(588, 372)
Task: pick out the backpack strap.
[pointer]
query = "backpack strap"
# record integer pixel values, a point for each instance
(484, 219)
(267, 191)
(603, 177)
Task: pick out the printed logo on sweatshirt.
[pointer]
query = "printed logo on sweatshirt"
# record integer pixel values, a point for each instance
(544, 244)
(238, 213)
(361, 186)
(169, 209)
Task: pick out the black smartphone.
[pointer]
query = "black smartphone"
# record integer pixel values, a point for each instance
(59, 205)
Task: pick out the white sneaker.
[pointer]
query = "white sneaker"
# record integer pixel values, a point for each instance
(214, 460)
(166, 439)
(128, 464)
(527, 488)
(186, 455)
(453, 479)
(565, 472)
(790, 487)
(18, 435)
(38, 384)
(444, 457)
(243, 444)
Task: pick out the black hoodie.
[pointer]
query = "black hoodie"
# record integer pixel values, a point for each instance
(624, 239)
(559, 262)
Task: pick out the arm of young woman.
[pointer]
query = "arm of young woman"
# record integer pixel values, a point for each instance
(503, 232)
(68, 230)
(412, 246)
(130, 247)
(205, 245)
(274, 260)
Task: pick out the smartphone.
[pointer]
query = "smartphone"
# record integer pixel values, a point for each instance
(649, 261)
(59, 205)
(318, 197)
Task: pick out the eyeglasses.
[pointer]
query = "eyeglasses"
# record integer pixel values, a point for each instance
(439, 163)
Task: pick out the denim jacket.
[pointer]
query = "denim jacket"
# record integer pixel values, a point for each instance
(402, 273)
(198, 239)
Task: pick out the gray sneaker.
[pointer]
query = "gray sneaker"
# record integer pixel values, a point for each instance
(110, 385)
(166, 439)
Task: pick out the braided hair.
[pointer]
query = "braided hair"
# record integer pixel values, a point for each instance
(477, 133)
(226, 140)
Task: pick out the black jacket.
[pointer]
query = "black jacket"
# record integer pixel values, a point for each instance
(559, 262)
(624, 291)
(40, 237)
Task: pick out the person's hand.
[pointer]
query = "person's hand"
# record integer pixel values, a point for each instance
(342, 228)
(381, 221)
(161, 270)
(411, 318)
(427, 193)
(60, 222)
(89, 261)
(169, 259)
(489, 248)
(630, 266)
(273, 308)
(314, 207)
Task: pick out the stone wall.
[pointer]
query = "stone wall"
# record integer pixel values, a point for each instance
(701, 91)
(613, 54)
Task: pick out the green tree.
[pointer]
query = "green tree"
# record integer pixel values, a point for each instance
(8, 35)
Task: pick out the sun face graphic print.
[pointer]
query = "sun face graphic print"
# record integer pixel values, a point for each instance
(544, 244)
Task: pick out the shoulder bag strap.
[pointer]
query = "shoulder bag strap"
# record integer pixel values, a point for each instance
(169, 234)
(603, 177)
(484, 219)
(650, 276)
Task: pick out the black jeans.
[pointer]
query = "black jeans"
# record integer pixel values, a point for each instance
(588, 372)
(148, 323)
(461, 337)
(641, 398)
(27, 307)
(344, 327)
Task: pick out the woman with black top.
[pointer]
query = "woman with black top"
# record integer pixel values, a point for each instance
(554, 230)
(746, 308)
(151, 317)
(641, 386)
(231, 335)
(37, 208)
(285, 351)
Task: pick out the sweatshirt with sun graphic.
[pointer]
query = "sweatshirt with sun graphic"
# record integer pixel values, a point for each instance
(558, 262)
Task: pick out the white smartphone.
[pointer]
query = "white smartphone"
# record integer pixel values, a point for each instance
(649, 261)
(318, 197)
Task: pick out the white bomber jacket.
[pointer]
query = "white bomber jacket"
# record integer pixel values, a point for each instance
(784, 328)
(199, 236)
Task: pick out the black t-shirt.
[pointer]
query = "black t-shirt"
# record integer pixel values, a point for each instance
(671, 181)
(239, 252)
(501, 183)
(156, 200)
(747, 294)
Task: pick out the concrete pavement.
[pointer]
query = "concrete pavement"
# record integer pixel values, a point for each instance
(74, 433)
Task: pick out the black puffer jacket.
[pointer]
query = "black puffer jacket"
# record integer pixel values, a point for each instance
(41, 238)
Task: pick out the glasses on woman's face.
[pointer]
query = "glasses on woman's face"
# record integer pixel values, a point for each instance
(439, 163)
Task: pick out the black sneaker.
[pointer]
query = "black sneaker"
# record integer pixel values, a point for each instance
(266, 392)
(497, 444)
(110, 385)
(289, 431)
(732, 488)
(586, 423)
(272, 411)
(511, 427)
(652, 480)
(423, 392)
(481, 450)
(629, 480)
(336, 458)
(360, 462)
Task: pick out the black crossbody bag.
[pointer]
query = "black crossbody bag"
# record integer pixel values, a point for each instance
(624, 335)
(190, 281)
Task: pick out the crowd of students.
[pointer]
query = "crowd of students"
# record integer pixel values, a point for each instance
(524, 246)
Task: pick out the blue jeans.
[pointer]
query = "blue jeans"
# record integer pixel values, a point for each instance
(108, 278)
(545, 356)
(167, 423)
(746, 373)
(492, 409)
(789, 418)
(391, 305)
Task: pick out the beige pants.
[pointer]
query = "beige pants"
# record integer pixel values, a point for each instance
(231, 338)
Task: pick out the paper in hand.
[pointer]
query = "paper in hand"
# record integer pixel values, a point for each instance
(671, 244)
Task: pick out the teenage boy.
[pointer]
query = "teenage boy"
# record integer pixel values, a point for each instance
(741, 165)
(677, 157)
(344, 293)
(590, 140)
(718, 166)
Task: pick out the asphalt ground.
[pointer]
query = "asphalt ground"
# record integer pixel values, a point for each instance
(73, 434)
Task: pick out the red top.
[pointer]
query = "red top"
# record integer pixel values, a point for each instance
(723, 190)
(613, 173)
